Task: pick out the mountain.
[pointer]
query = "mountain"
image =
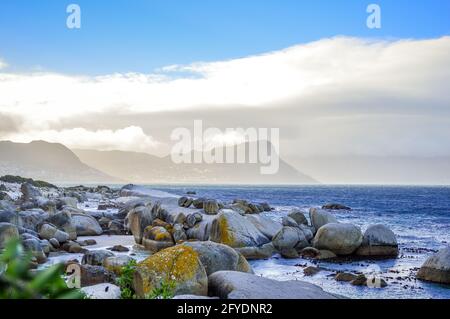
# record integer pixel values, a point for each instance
(386, 170)
(47, 161)
(145, 168)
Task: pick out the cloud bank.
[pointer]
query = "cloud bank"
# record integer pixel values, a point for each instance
(335, 96)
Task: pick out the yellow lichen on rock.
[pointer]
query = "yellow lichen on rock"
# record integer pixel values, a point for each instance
(226, 237)
(179, 264)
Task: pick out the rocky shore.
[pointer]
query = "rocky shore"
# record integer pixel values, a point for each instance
(200, 246)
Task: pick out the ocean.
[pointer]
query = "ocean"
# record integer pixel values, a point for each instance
(419, 216)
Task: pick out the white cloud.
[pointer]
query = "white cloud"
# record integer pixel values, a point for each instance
(3, 64)
(348, 80)
(127, 139)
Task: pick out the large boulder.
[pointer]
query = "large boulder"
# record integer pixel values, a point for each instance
(239, 285)
(49, 231)
(7, 232)
(216, 257)
(156, 238)
(341, 239)
(436, 268)
(320, 217)
(31, 219)
(266, 225)
(232, 229)
(138, 219)
(200, 231)
(211, 207)
(63, 220)
(378, 241)
(96, 257)
(254, 253)
(86, 225)
(289, 239)
(10, 217)
(298, 216)
(179, 265)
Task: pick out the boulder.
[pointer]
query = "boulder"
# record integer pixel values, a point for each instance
(29, 192)
(92, 275)
(216, 257)
(7, 232)
(254, 253)
(178, 233)
(200, 231)
(320, 217)
(239, 285)
(102, 291)
(63, 221)
(96, 257)
(289, 238)
(298, 216)
(436, 268)
(34, 246)
(193, 219)
(157, 238)
(335, 206)
(232, 229)
(138, 219)
(311, 270)
(31, 219)
(180, 265)
(116, 263)
(288, 222)
(86, 225)
(49, 231)
(266, 225)
(378, 241)
(198, 203)
(344, 276)
(211, 207)
(341, 239)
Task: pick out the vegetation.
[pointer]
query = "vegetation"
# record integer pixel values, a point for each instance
(165, 290)
(125, 281)
(21, 180)
(19, 281)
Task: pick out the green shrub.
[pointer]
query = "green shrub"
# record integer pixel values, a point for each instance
(125, 281)
(166, 290)
(19, 281)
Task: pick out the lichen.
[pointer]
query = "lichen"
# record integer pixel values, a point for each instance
(178, 264)
(226, 237)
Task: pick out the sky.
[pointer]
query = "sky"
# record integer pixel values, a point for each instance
(138, 69)
(144, 35)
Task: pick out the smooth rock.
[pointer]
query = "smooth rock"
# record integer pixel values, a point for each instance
(239, 285)
(217, 257)
(96, 257)
(341, 239)
(320, 217)
(254, 253)
(436, 268)
(378, 241)
(232, 229)
(86, 225)
(298, 216)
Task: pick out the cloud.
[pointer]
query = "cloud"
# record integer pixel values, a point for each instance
(330, 97)
(3, 64)
(127, 139)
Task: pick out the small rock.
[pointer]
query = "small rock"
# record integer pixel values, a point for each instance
(119, 248)
(311, 270)
(335, 206)
(344, 276)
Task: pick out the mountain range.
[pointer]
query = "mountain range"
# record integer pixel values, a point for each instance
(57, 163)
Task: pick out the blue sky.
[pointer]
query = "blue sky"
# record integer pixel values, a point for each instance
(143, 35)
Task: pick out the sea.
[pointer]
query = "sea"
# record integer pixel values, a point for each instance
(418, 215)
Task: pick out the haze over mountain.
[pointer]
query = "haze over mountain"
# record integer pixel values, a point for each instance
(381, 170)
(145, 168)
(47, 161)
